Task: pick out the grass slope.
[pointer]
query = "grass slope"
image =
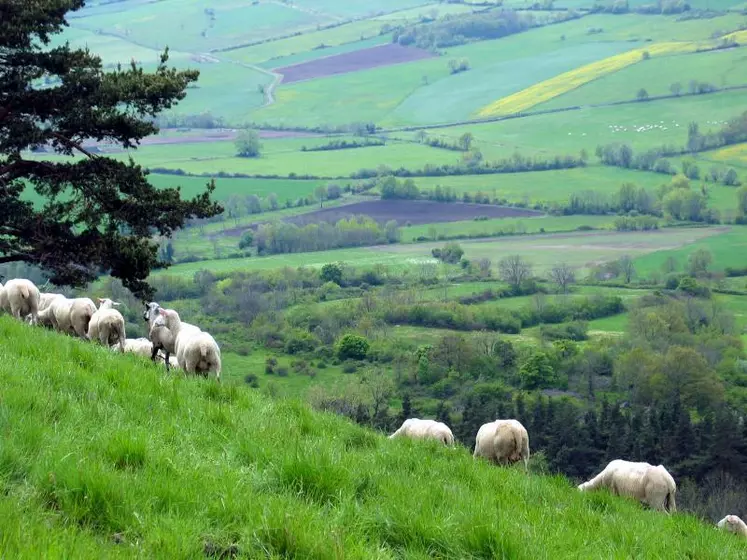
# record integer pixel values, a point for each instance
(108, 456)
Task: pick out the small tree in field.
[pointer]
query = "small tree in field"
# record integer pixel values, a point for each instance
(563, 276)
(248, 144)
(642, 95)
(514, 270)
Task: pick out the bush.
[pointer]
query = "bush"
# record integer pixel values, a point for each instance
(282, 371)
(251, 380)
(299, 341)
(349, 368)
(576, 331)
(247, 239)
(270, 364)
(352, 347)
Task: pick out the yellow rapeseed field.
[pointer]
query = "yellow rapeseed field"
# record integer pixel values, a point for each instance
(563, 83)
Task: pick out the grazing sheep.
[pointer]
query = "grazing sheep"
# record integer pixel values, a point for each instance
(503, 442)
(20, 298)
(144, 347)
(107, 325)
(70, 316)
(45, 301)
(416, 428)
(196, 351)
(161, 337)
(140, 346)
(733, 524)
(650, 485)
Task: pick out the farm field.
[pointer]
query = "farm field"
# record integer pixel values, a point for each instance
(721, 68)
(729, 249)
(486, 228)
(320, 52)
(411, 211)
(580, 250)
(733, 155)
(364, 59)
(587, 128)
(200, 26)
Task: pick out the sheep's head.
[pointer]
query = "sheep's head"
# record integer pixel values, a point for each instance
(730, 523)
(106, 303)
(168, 316)
(151, 310)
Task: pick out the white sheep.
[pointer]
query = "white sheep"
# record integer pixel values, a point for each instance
(144, 347)
(140, 346)
(20, 298)
(503, 442)
(45, 300)
(161, 337)
(733, 524)
(107, 325)
(196, 351)
(416, 428)
(653, 486)
(70, 316)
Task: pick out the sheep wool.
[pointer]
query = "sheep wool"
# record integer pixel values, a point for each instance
(650, 485)
(733, 524)
(416, 428)
(503, 442)
(20, 298)
(107, 325)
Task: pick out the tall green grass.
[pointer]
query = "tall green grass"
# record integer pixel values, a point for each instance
(108, 456)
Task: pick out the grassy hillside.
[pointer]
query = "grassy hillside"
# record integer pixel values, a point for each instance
(105, 456)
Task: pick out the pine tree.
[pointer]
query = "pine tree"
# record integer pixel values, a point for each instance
(99, 214)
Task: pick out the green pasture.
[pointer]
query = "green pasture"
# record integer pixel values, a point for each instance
(487, 228)
(728, 248)
(572, 131)
(345, 9)
(270, 51)
(656, 75)
(335, 163)
(188, 26)
(544, 186)
(284, 188)
(580, 250)
(108, 456)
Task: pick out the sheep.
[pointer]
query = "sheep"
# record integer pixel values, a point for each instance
(416, 428)
(144, 347)
(503, 442)
(650, 485)
(70, 316)
(196, 351)
(161, 337)
(140, 346)
(45, 301)
(107, 325)
(20, 298)
(733, 524)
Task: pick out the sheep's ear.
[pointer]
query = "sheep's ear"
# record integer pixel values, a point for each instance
(161, 311)
(116, 303)
(100, 300)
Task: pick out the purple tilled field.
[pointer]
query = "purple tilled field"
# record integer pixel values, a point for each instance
(415, 212)
(363, 59)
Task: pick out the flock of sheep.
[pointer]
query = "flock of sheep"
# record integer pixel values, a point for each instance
(179, 344)
(505, 442)
(502, 442)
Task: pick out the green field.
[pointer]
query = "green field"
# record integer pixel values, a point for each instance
(729, 249)
(487, 228)
(284, 188)
(580, 250)
(107, 456)
(319, 52)
(589, 127)
(188, 27)
(720, 68)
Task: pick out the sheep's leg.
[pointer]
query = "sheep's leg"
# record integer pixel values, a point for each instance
(154, 353)
(167, 358)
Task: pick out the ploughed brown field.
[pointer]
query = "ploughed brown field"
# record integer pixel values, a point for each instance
(363, 59)
(415, 212)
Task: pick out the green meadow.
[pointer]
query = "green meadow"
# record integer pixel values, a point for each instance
(106, 455)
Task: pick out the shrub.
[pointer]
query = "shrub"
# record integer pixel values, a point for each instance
(270, 364)
(576, 331)
(352, 346)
